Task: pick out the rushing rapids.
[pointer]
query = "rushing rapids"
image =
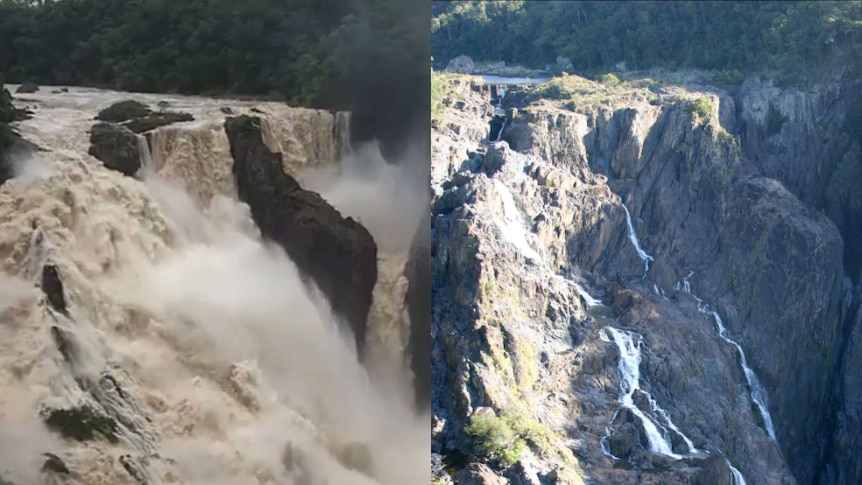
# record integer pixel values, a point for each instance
(146, 322)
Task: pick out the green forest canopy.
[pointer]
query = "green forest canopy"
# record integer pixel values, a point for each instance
(367, 56)
(791, 38)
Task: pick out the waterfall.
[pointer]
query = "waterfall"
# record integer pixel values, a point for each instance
(513, 227)
(514, 230)
(758, 393)
(588, 299)
(500, 133)
(736, 477)
(341, 133)
(633, 237)
(684, 285)
(145, 154)
(205, 379)
(629, 367)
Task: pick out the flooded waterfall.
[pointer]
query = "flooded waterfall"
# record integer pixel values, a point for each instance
(152, 309)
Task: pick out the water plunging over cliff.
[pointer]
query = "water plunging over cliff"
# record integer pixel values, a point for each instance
(166, 314)
(646, 258)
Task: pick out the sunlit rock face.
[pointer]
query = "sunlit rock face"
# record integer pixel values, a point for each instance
(732, 268)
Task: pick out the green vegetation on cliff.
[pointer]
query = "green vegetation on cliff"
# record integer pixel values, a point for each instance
(82, 423)
(796, 39)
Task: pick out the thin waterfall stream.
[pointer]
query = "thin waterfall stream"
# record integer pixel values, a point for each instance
(633, 237)
(758, 393)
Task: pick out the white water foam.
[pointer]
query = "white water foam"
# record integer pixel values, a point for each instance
(512, 226)
(629, 367)
(736, 477)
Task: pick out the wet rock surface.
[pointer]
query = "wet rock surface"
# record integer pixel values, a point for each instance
(137, 117)
(337, 253)
(123, 111)
(27, 88)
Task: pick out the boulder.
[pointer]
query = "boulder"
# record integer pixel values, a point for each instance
(123, 111)
(628, 436)
(27, 88)
(116, 147)
(337, 253)
(155, 120)
(713, 471)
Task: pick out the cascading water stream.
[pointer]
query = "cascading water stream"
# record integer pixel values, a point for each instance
(514, 230)
(588, 299)
(758, 393)
(629, 367)
(736, 477)
(646, 258)
(512, 225)
(145, 153)
(500, 133)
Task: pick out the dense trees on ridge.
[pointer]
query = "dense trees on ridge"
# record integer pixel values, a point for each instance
(367, 56)
(794, 39)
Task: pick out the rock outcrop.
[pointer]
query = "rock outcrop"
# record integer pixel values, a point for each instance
(763, 244)
(155, 120)
(116, 147)
(418, 303)
(337, 253)
(138, 117)
(123, 111)
(27, 88)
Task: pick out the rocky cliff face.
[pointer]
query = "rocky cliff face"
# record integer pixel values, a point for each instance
(418, 303)
(768, 246)
(338, 253)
